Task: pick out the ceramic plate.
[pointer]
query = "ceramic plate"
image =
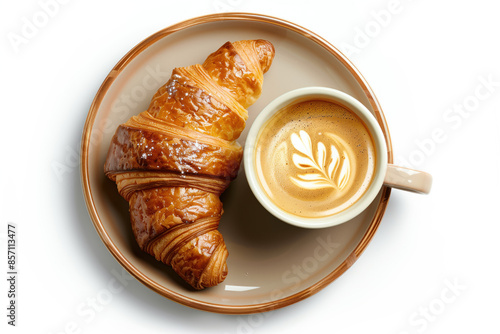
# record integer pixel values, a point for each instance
(271, 264)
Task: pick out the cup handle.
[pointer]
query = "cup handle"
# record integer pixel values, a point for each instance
(408, 179)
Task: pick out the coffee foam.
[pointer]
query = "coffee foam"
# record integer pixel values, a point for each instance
(314, 158)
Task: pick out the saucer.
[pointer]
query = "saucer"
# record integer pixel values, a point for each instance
(271, 264)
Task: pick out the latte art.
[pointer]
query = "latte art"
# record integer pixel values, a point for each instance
(330, 168)
(314, 158)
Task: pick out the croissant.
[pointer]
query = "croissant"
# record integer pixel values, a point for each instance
(173, 161)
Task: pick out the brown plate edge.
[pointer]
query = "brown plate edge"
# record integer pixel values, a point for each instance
(212, 307)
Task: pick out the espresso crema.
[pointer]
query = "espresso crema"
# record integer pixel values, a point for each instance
(314, 158)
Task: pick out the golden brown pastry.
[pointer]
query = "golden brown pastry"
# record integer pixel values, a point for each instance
(172, 162)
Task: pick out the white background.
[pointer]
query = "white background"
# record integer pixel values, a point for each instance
(432, 266)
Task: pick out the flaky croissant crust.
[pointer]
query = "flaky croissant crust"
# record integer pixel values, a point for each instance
(172, 162)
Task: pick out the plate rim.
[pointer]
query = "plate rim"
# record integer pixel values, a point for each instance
(178, 297)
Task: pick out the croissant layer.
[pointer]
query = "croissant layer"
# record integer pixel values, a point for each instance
(186, 101)
(172, 161)
(143, 149)
(156, 210)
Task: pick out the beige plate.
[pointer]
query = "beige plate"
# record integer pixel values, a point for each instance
(271, 264)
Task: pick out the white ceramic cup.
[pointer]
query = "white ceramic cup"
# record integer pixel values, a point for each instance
(385, 174)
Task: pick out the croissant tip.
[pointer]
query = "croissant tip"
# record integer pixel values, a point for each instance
(266, 53)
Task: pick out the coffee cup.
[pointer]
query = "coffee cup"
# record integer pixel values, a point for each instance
(316, 157)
